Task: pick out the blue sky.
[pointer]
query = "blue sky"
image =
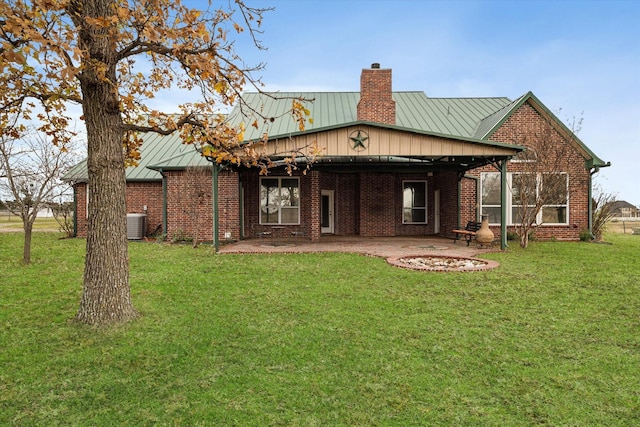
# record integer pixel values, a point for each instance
(580, 58)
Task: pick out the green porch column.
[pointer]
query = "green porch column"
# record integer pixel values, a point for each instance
(75, 210)
(214, 202)
(165, 212)
(503, 204)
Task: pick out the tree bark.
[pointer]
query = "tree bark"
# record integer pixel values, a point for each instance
(106, 295)
(26, 251)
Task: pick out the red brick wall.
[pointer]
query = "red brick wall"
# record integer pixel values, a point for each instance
(139, 194)
(190, 205)
(149, 194)
(447, 182)
(376, 100)
(229, 205)
(347, 208)
(469, 207)
(366, 204)
(81, 209)
(377, 208)
(252, 227)
(512, 131)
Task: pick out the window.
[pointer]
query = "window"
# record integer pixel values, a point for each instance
(556, 188)
(523, 190)
(491, 196)
(414, 202)
(279, 201)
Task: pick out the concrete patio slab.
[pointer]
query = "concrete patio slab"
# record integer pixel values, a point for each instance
(375, 246)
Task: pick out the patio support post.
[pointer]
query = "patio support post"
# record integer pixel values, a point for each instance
(164, 204)
(75, 211)
(214, 203)
(503, 204)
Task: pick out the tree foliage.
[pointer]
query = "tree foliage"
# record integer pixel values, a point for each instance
(113, 57)
(155, 45)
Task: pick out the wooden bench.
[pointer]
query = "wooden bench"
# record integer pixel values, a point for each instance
(468, 233)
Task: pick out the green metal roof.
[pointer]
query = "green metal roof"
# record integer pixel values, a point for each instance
(467, 119)
(455, 117)
(155, 150)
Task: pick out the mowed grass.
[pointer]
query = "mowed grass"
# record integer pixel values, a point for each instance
(14, 223)
(551, 337)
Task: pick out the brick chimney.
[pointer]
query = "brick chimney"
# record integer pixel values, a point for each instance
(376, 102)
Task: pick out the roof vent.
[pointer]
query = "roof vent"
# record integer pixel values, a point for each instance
(375, 65)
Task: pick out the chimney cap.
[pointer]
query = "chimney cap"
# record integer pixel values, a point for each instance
(375, 65)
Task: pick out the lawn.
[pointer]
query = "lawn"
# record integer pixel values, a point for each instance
(14, 223)
(551, 337)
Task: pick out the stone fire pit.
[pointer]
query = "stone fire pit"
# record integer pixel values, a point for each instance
(441, 263)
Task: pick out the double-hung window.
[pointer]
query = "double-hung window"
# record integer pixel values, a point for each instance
(414, 202)
(279, 201)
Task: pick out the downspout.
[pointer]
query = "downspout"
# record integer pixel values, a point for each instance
(503, 205)
(241, 208)
(592, 172)
(216, 226)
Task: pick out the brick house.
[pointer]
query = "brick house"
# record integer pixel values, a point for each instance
(393, 164)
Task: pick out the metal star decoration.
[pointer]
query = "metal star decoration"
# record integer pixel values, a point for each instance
(359, 141)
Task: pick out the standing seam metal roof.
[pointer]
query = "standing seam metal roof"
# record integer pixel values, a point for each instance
(464, 118)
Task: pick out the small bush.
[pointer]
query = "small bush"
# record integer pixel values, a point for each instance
(585, 236)
(513, 236)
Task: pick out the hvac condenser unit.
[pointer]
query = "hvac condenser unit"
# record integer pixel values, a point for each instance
(136, 226)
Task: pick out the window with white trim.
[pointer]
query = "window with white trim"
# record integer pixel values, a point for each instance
(414, 202)
(556, 188)
(554, 185)
(491, 196)
(279, 201)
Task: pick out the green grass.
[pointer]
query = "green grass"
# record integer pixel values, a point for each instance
(14, 223)
(551, 337)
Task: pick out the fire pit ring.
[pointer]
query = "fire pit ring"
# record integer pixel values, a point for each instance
(442, 263)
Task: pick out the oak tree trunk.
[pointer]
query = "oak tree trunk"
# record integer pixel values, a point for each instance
(106, 295)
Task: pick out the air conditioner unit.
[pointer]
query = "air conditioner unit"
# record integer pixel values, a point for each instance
(136, 225)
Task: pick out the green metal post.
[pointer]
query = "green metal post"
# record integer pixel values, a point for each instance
(590, 203)
(164, 204)
(503, 205)
(75, 211)
(216, 226)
